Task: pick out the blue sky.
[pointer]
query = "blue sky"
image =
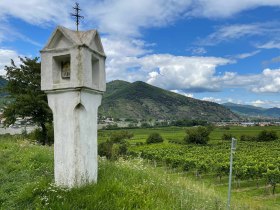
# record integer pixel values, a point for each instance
(215, 50)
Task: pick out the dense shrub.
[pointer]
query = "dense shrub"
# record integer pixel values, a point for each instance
(266, 135)
(145, 125)
(118, 137)
(115, 146)
(112, 150)
(154, 138)
(248, 138)
(198, 135)
(37, 135)
(111, 127)
(226, 127)
(105, 149)
(227, 136)
(187, 122)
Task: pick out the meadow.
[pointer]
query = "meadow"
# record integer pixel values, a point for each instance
(168, 175)
(26, 180)
(256, 164)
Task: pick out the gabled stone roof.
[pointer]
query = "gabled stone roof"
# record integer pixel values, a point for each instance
(76, 37)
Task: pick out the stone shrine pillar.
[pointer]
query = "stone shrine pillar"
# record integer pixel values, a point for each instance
(73, 76)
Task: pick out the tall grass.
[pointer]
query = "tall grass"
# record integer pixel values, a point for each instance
(26, 182)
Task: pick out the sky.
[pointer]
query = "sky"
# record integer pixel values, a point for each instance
(214, 50)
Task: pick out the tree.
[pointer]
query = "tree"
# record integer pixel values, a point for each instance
(198, 135)
(115, 146)
(154, 138)
(24, 88)
(266, 135)
(273, 178)
(227, 136)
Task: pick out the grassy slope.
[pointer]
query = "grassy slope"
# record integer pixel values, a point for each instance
(141, 100)
(26, 176)
(252, 110)
(257, 198)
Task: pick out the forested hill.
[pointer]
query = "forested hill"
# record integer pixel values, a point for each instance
(141, 100)
(253, 111)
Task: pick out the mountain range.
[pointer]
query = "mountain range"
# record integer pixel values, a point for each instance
(253, 111)
(139, 100)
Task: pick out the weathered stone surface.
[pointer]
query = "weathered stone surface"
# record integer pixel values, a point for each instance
(74, 97)
(87, 60)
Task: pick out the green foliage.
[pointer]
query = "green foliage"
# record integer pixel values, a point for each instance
(3, 83)
(197, 135)
(252, 160)
(154, 138)
(188, 123)
(24, 87)
(248, 138)
(145, 125)
(26, 175)
(140, 100)
(273, 178)
(226, 127)
(249, 110)
(227, 136)
(118, 137)
(266, 135)
(115, 146)
(112, 127)
(37, 134)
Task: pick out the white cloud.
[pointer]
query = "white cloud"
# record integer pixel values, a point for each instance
(212, 99)
(232, 32)
(181, 72)
(224, 9)
(246, 55)
(183, 93)
(117, 47)
(124, 17)
(131, 61)
(130, 58)
(8, 33)
(5, 58)
(197, 50)
(269, 82)
(36, 12)
(258, 103)
(127, 17)
(265, 103)
(269, 45)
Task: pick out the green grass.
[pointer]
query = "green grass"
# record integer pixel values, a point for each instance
(247, 153)
(26, 180)
(170, 133)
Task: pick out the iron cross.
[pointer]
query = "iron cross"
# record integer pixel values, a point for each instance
(77, 15)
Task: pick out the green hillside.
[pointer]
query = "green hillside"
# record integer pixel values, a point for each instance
(143, 101)
(248, 110)
(26, 176)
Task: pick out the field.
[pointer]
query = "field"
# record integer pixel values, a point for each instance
(26, 180)
(168, 175)
(256, 164)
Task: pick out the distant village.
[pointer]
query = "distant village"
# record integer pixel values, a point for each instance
(26, 124)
